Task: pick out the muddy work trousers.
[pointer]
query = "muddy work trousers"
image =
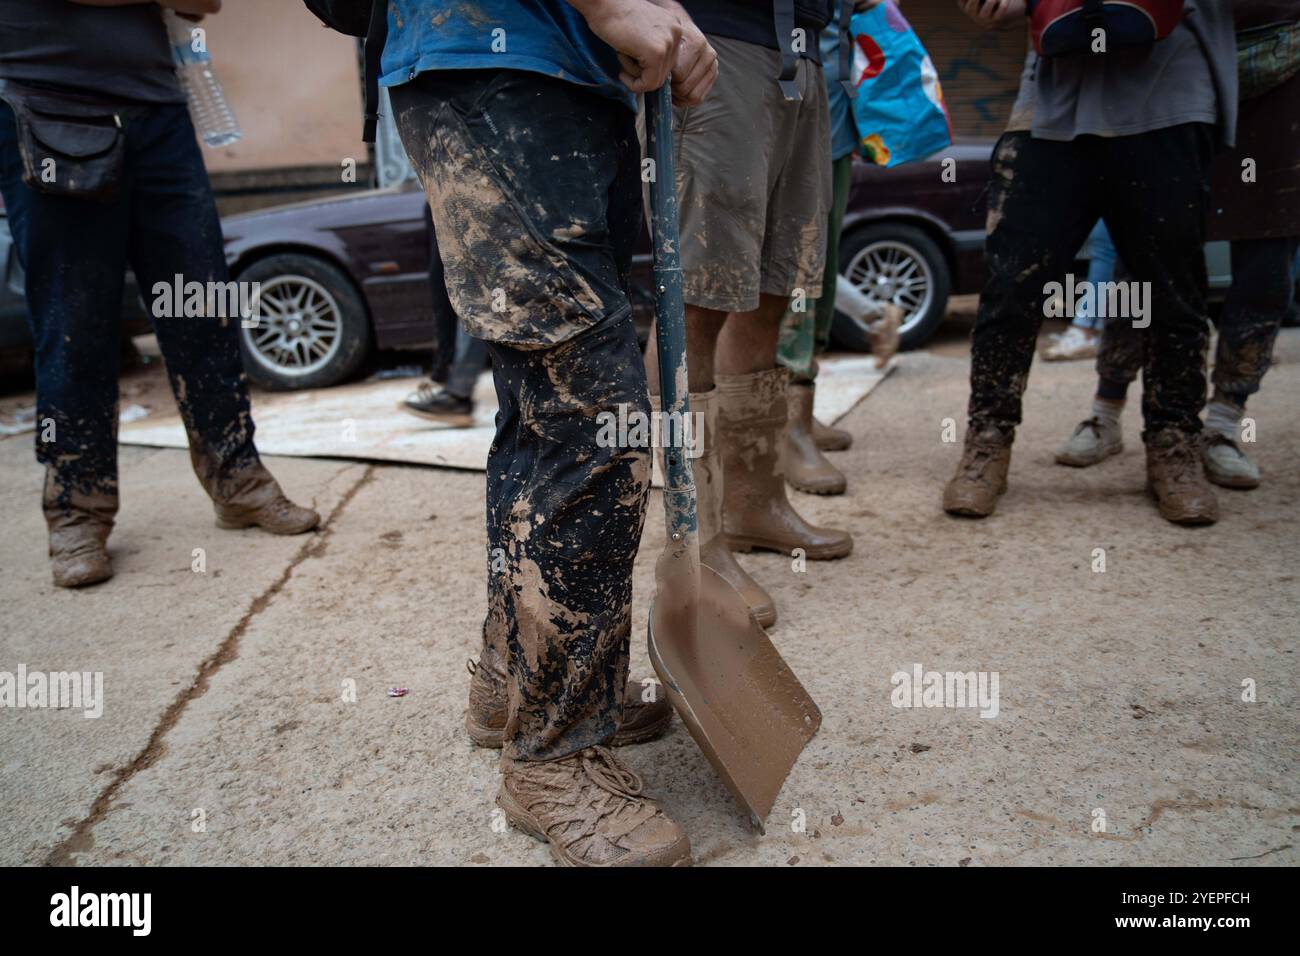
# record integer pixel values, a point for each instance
(1044, 197)
(1252, 313)
(535, 191)
(75, 253)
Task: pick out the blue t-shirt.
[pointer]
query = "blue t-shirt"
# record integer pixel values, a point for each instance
(844, 131)
(539, 36)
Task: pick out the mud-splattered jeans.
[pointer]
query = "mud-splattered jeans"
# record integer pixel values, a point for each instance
(1252, 313)
(75, 252)
(1044, 197)
(534, 187)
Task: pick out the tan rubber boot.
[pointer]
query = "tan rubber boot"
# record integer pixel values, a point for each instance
(1176, 477)
(489, 706)
(806, 468)
(829, 438)
(715, 553)
(79, 526)
(590, 809)
(981, 475)
(253, 498)
(752, 413)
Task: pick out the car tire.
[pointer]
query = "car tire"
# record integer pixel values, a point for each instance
(915, 275)
(312, 330)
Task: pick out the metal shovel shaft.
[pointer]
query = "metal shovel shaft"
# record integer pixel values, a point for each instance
(670, 315)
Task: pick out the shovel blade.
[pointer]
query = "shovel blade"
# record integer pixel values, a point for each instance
(734, 692)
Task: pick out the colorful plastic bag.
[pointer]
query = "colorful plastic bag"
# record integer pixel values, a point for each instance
(899, 106)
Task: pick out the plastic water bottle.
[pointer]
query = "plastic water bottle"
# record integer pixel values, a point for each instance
(212, 115)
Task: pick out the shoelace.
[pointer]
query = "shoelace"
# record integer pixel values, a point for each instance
(604, 771)
(619, 801)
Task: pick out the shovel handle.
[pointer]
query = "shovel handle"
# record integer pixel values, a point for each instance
(670, 317)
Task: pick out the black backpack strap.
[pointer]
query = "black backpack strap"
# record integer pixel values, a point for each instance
(375, 37)
(783, 14)
(846, 48)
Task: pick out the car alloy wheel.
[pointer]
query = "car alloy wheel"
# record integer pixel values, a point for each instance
(890, 270)
(298, 329)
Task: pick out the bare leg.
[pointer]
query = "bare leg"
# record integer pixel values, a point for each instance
(748, 340)
(702, 328)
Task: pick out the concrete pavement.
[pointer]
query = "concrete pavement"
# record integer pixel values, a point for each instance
(229, 735)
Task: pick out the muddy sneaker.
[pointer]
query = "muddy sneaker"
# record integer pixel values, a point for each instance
(439, 405)
(1093, 441)
(589, 808)
(1226, 464)
(981, 475)
(485, 718)
(1073, 343)
(1176, 478)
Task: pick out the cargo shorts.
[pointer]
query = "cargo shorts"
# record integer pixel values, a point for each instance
(753, 182)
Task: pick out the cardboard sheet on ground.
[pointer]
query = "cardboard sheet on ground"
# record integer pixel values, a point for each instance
(362, 420)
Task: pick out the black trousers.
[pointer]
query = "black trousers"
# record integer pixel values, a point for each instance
(1253, 311)
(1044, 198)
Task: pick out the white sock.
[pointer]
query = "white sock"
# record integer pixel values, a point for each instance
(1224, 418)
(1107, 411)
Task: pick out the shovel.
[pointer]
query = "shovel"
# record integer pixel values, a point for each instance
(738, 698)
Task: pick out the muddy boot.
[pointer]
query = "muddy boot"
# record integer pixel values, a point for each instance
(830, 439)
(981, 474)
(489, 705)
(715, 553)
(806, 468)
(1176, 478)
(253, 498)
(79, 525)
(589, 808)
(752, 413)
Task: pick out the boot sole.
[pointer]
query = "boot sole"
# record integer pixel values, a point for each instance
(1237, 484)
(968, 511)
(830, 489)
(238, 524)
(744, 544)
(458, 420)
(525, 822)
(490, 738)
(833, 445)
(1073, 461)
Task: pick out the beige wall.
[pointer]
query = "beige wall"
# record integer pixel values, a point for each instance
(295, 87)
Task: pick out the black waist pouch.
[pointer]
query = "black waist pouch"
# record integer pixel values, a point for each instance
(70, 144)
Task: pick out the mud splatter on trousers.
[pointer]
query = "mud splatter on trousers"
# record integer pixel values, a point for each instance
(534, 189)
(75, 253)
(1248, 325)
(1044, 197)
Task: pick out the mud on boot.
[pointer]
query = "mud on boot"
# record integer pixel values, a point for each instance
(981, 474)
(79, 524)
(1176, 477)
(806, 468)
(591, 810)
(489, 705)
(710, 479)
(253, 499)
(752, 414)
